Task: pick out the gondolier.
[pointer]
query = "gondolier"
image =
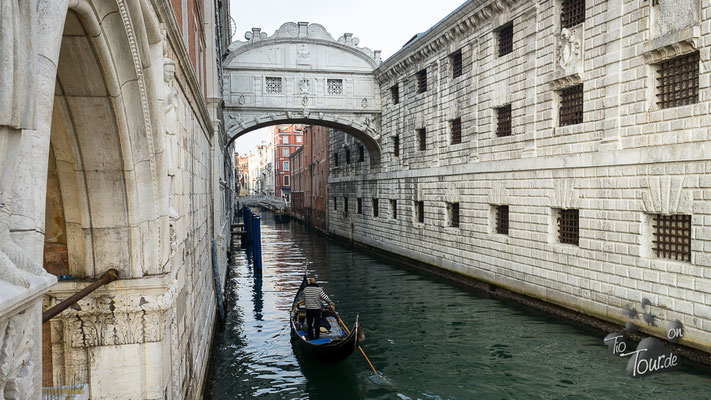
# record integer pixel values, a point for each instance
(313, 294)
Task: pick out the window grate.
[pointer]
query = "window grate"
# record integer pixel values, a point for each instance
(456, 60)
(505, 34)
(422, 139)
(395, 93)
(421, 78)
(273, 85)
(672, 237)
(334, 86)
(568, 226)
(571, 106)
(456, 127)
(502, 220)
(420, 211)
(503, 121)
(678, 81)
(393, 208)
(375, 208)
(396, 145)
(572, 13)
(453, 211)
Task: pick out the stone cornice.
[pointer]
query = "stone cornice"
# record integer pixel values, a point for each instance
(459, 23)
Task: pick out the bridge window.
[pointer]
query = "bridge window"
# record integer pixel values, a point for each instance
(395, 93)
(334, 86)
(456, 128)
(285, 166)
(359, 205)
(421, 139)
(505, 36)
(393, 209)
(375, 208)
(361, 154)
(396, 145)
(571, 106)
(453, 214)
(455, 60)
(421, 78)
(420, 211)
(348, 155)
(503, 121)
(572, 13)
(273, 85)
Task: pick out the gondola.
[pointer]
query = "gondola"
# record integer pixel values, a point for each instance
(281, 217)
(333, 346)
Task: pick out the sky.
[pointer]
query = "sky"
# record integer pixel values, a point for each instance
(384, 25)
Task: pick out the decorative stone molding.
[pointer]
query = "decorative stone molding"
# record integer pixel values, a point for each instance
(569, 47)
(566, 81)
(564, 195)
(667, 195)
(672, 50)
(498, 195)
(17, 364)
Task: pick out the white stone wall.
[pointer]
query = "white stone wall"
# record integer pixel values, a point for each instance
(627, 160)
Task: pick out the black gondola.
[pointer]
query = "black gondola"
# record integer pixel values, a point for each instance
(333, 346)
(281, 217)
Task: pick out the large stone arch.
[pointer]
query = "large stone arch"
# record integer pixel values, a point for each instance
(321, 81)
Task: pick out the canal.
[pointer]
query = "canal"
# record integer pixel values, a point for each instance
(430, 338)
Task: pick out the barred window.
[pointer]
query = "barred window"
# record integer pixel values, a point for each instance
(672, 237)
(568, 226)
(335, 203)
(505, 34)
(375, 208)
(273, 85)
(421, 138)
(678, 81)
(572, 13)
(456, 61)
(453, 214)
(361, 154)
(503, 120)
(571, 106)
(421, 78)
(335, 158)
(420, 211)
(348, 155)
(456, 128)
(396, 145)
(345, 205)
(393, 209)
(502, 220)
(334, 86)
(395, 93)
(359, 205)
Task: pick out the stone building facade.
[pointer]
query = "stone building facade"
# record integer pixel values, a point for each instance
(559, 149)
(120, 164)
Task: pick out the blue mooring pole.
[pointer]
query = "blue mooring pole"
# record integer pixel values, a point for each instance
(257, 244)
(247, 218)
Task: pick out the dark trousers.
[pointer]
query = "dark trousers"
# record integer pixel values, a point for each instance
(313, 321)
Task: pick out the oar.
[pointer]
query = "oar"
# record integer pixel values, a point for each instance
(359, 348)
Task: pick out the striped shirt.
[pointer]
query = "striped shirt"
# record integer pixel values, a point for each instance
(313, 296)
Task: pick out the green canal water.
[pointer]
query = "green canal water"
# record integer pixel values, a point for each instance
(430, 338)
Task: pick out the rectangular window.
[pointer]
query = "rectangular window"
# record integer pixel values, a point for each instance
(678, 81)
(568, 226)
(453, 214)
(502, 220)
(286, 180)
(421, 78)
(285, 152)
(505, 35)
(503, 121)
(421, 139)
(335, 158)
(299, 139)
(345, 205)
(572, 13)
(672, 237)
(285, 140)
(285, 166)
(348, 156)
(393, 209)
(359, 205)
(273, 85)
(396, 145)
(335, 203)
(395, 93)
(571, 106)
(455, 126)
(420, 211)
(456, 61)
(334, 86)
(375, 208)
(361, 154)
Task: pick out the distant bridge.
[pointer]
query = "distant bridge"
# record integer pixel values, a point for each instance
(270, 202)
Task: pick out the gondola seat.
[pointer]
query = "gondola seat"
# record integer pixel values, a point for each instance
(320, 341)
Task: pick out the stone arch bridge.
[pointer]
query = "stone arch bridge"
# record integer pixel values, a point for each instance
(301, 74)
(273, 203)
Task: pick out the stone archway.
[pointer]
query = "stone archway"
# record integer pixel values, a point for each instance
(301, 74)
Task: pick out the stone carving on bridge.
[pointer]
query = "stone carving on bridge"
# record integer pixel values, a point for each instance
(568, 47)
(304, 86)
(17, 366)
